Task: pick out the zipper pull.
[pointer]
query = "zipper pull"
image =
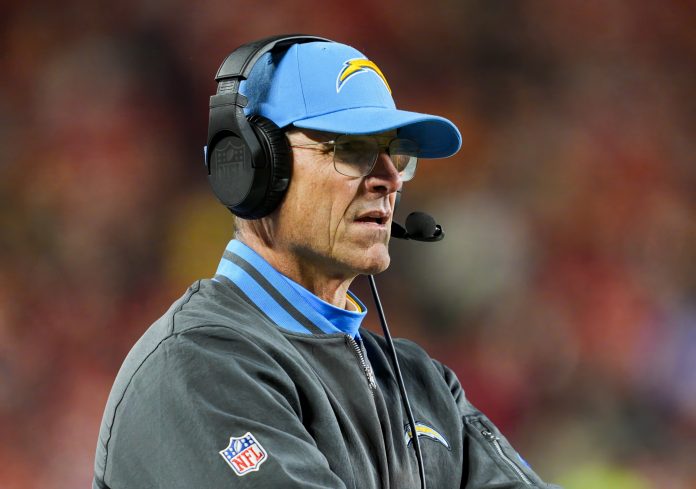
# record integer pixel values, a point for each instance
(489, 436)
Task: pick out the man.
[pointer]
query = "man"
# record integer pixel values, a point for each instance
(261, 377)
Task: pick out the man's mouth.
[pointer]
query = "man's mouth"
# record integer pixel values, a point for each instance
(376, 217)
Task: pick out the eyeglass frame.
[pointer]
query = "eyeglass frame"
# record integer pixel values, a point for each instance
(381, 147)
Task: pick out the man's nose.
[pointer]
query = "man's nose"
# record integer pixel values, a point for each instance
(384, 177)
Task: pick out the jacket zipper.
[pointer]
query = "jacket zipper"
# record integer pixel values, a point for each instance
(495, 441)
(369, 374)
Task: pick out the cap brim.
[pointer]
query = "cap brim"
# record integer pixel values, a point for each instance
(436, 136)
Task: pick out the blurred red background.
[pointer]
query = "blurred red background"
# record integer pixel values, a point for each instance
(564, 295)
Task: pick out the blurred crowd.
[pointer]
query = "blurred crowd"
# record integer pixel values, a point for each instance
(564, 294)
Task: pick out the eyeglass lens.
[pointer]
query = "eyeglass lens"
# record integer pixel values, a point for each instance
(356, 156)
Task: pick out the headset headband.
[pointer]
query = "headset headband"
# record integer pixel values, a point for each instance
(242, 60)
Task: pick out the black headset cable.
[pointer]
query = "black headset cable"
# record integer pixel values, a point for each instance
(399, 380)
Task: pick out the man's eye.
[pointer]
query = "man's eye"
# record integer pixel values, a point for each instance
(353, 147)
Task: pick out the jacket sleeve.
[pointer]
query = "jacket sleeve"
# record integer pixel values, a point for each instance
(490, 462)
(187, 403)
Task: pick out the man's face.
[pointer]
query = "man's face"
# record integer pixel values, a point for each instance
(336, 223)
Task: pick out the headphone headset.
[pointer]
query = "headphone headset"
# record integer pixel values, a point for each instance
(248, 158)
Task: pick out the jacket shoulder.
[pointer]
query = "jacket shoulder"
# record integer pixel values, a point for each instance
(208, 312)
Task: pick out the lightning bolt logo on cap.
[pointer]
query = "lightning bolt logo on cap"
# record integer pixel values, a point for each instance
(355, 66)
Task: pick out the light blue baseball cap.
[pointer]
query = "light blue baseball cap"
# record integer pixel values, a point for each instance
(331, 87)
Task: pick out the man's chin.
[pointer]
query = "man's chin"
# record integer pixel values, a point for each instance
(374, 262)
(361, 258)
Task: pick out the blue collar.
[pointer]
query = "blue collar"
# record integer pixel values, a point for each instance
(285, 302)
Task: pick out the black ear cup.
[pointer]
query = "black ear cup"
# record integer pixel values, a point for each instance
(251, 187)
(248, 159)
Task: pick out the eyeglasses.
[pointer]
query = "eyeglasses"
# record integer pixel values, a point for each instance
(355, 156)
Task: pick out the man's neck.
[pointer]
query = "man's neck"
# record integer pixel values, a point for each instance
(312, 276)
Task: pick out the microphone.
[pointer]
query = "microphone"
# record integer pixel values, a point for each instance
(419, 227)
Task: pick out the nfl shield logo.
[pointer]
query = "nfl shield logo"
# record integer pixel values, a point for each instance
(244, 454)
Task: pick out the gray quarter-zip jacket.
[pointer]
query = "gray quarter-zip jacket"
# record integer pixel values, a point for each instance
(215, 395)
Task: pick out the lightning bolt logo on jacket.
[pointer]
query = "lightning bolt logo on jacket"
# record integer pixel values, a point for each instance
(356, 66)
(423, 430)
